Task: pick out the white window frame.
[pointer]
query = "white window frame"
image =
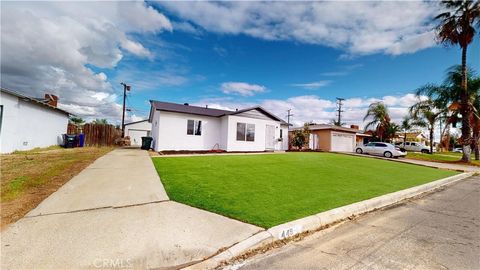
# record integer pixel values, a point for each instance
(246, 127)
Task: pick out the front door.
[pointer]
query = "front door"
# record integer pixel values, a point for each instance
(270, 137)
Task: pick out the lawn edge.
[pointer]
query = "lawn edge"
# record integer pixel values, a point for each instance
(322, 220)
(409, 161)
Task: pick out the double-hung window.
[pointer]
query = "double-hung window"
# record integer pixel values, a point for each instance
(245, 132)
(194, 127)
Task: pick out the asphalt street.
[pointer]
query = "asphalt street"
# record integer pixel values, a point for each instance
(437, 231)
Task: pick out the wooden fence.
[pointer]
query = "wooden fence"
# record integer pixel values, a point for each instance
(96, 134)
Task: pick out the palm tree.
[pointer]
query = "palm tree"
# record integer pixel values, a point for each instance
(456, 27)
(391, 130)
(406, 125)
(426, 113)
(380, 119)
(336, 123)
(475, 85)
(448, 95)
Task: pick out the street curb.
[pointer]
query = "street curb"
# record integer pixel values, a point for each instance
(316, 221)
(254, 241)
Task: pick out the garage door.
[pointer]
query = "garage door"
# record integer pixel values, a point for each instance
(136, 136)
(343, 142)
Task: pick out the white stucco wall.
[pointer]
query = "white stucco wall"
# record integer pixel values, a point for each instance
(26, 125)
(138, 130)
(284, 144)
(154, 121)
(223, 132)
(260, 128)
(171, 133)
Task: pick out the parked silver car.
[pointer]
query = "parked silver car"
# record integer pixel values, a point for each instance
(380, 149)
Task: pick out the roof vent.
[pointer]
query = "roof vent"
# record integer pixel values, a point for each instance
(236, 109)
(206, 106)
(186, 104)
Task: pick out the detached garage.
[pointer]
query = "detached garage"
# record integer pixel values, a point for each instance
(333, 138)
(137, 130)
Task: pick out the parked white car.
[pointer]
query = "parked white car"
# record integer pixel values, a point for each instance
(380, 149)
(414, 147)
(457, 150)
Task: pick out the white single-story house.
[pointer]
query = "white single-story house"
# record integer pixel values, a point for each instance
(137, 130)
(333, 138)
(193, 128)
(27, 123)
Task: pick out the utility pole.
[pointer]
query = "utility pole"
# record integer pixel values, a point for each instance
(288, 118)
(339, 110)
(125, 89)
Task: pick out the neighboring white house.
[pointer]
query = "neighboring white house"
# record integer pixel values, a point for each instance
(27, 123)
(137, 130)
(186, 127)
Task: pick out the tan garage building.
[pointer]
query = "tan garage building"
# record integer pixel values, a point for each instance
(334, 138)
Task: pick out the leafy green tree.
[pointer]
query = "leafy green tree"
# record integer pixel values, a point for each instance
(457, 27)
(102, 121)
(380, 119)
(76, 120)
(300, 136)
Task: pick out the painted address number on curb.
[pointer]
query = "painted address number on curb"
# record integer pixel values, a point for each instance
(289, 232)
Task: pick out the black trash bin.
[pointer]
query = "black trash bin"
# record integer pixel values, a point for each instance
(146, 143)
(69, 140)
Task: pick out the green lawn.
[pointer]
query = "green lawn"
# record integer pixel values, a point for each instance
(267, 190)
(447, 157)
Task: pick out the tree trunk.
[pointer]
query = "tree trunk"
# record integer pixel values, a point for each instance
(476, 138)
(466, 136)
(431, 141)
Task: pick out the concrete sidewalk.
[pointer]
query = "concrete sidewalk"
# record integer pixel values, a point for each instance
(116, 214)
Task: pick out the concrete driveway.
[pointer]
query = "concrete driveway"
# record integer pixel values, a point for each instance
(116, 214)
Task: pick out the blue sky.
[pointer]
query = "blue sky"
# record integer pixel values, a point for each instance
(298, 56)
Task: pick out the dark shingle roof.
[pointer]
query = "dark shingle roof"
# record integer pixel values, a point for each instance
(181, 108)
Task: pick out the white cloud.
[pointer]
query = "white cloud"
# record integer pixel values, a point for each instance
(312, 85)
(242, 88)
(318, 110)
(358, 27)
(48, 47)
